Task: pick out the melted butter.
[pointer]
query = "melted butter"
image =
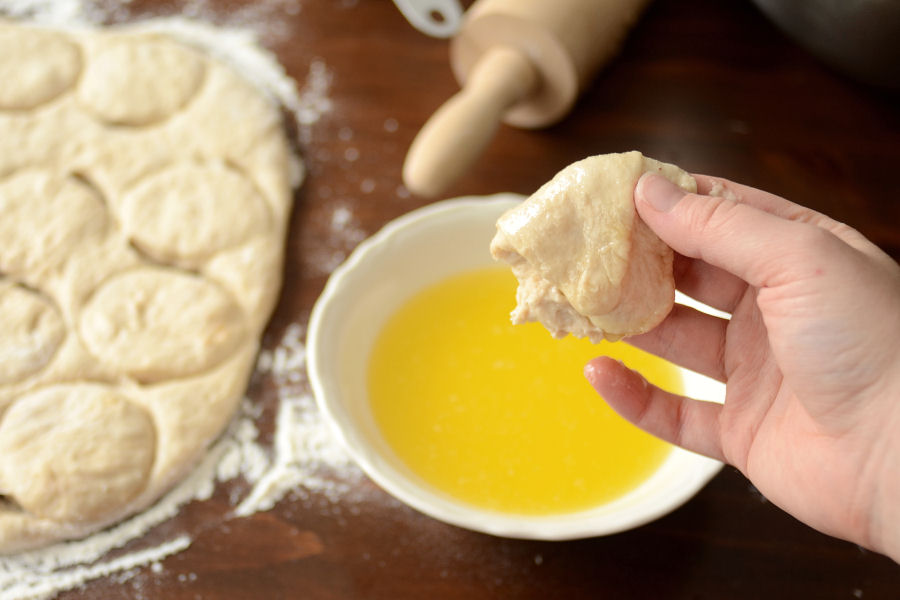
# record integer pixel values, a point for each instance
(500, 416)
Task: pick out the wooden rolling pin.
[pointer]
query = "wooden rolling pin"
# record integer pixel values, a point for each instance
(522, 62)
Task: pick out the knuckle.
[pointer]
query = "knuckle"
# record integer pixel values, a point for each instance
(843, 232)
(721, 354)
(713, 216)
(803, 257)
(813, 240)
(682, 415)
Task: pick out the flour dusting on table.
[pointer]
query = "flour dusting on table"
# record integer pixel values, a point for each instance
(306, 456)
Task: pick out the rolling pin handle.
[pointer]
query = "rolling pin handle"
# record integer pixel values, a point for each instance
(455, 136)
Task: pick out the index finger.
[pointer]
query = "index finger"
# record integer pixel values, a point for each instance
(738, 237)
(709, 185)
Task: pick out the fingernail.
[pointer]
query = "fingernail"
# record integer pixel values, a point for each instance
(659, 192)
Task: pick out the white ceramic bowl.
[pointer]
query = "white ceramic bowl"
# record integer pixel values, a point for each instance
(418, 249)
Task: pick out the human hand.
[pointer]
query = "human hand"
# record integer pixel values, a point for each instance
(809, 357)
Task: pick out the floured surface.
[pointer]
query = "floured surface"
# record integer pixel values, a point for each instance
(143, 212)
(586, 263)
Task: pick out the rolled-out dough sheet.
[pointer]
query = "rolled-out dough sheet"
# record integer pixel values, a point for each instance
(144, 196)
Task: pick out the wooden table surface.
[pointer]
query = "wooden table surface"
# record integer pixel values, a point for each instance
(708, 84)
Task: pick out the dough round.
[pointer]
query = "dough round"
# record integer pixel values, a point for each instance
(43, 217)
(134, 81)
(35, 67)
(190, 211)
(154, 323)
(30, 332)
(74, 453)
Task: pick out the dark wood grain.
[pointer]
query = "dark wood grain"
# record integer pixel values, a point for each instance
(709, 84)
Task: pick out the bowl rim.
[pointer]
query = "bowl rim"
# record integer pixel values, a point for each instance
(561, 526)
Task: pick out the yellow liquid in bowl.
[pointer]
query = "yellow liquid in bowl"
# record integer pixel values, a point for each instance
(500, 416)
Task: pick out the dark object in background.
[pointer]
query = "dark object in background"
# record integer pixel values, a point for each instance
(859, 37)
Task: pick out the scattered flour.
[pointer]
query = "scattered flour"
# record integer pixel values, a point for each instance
(345, 134)
(345, 230)
(341, 218)
(367, 186)
(37, 584)
(269, 19)
(65, 12)
(303, 458)
(306, 458)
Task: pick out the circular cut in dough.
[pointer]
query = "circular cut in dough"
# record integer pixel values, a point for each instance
(30, 332)
(35, 67)
(138, 81)
(75, 453)
(154, 323)
(190, 211)
(43, 217)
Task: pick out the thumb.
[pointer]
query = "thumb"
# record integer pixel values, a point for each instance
(755, 245)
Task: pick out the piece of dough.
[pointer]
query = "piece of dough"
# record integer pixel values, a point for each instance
(42, 65)
(586, 263)
(171, 215)
(154, 324)
(73, 453)
(136, 84)
(30, 332)
(45, 216)
(144, 196)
